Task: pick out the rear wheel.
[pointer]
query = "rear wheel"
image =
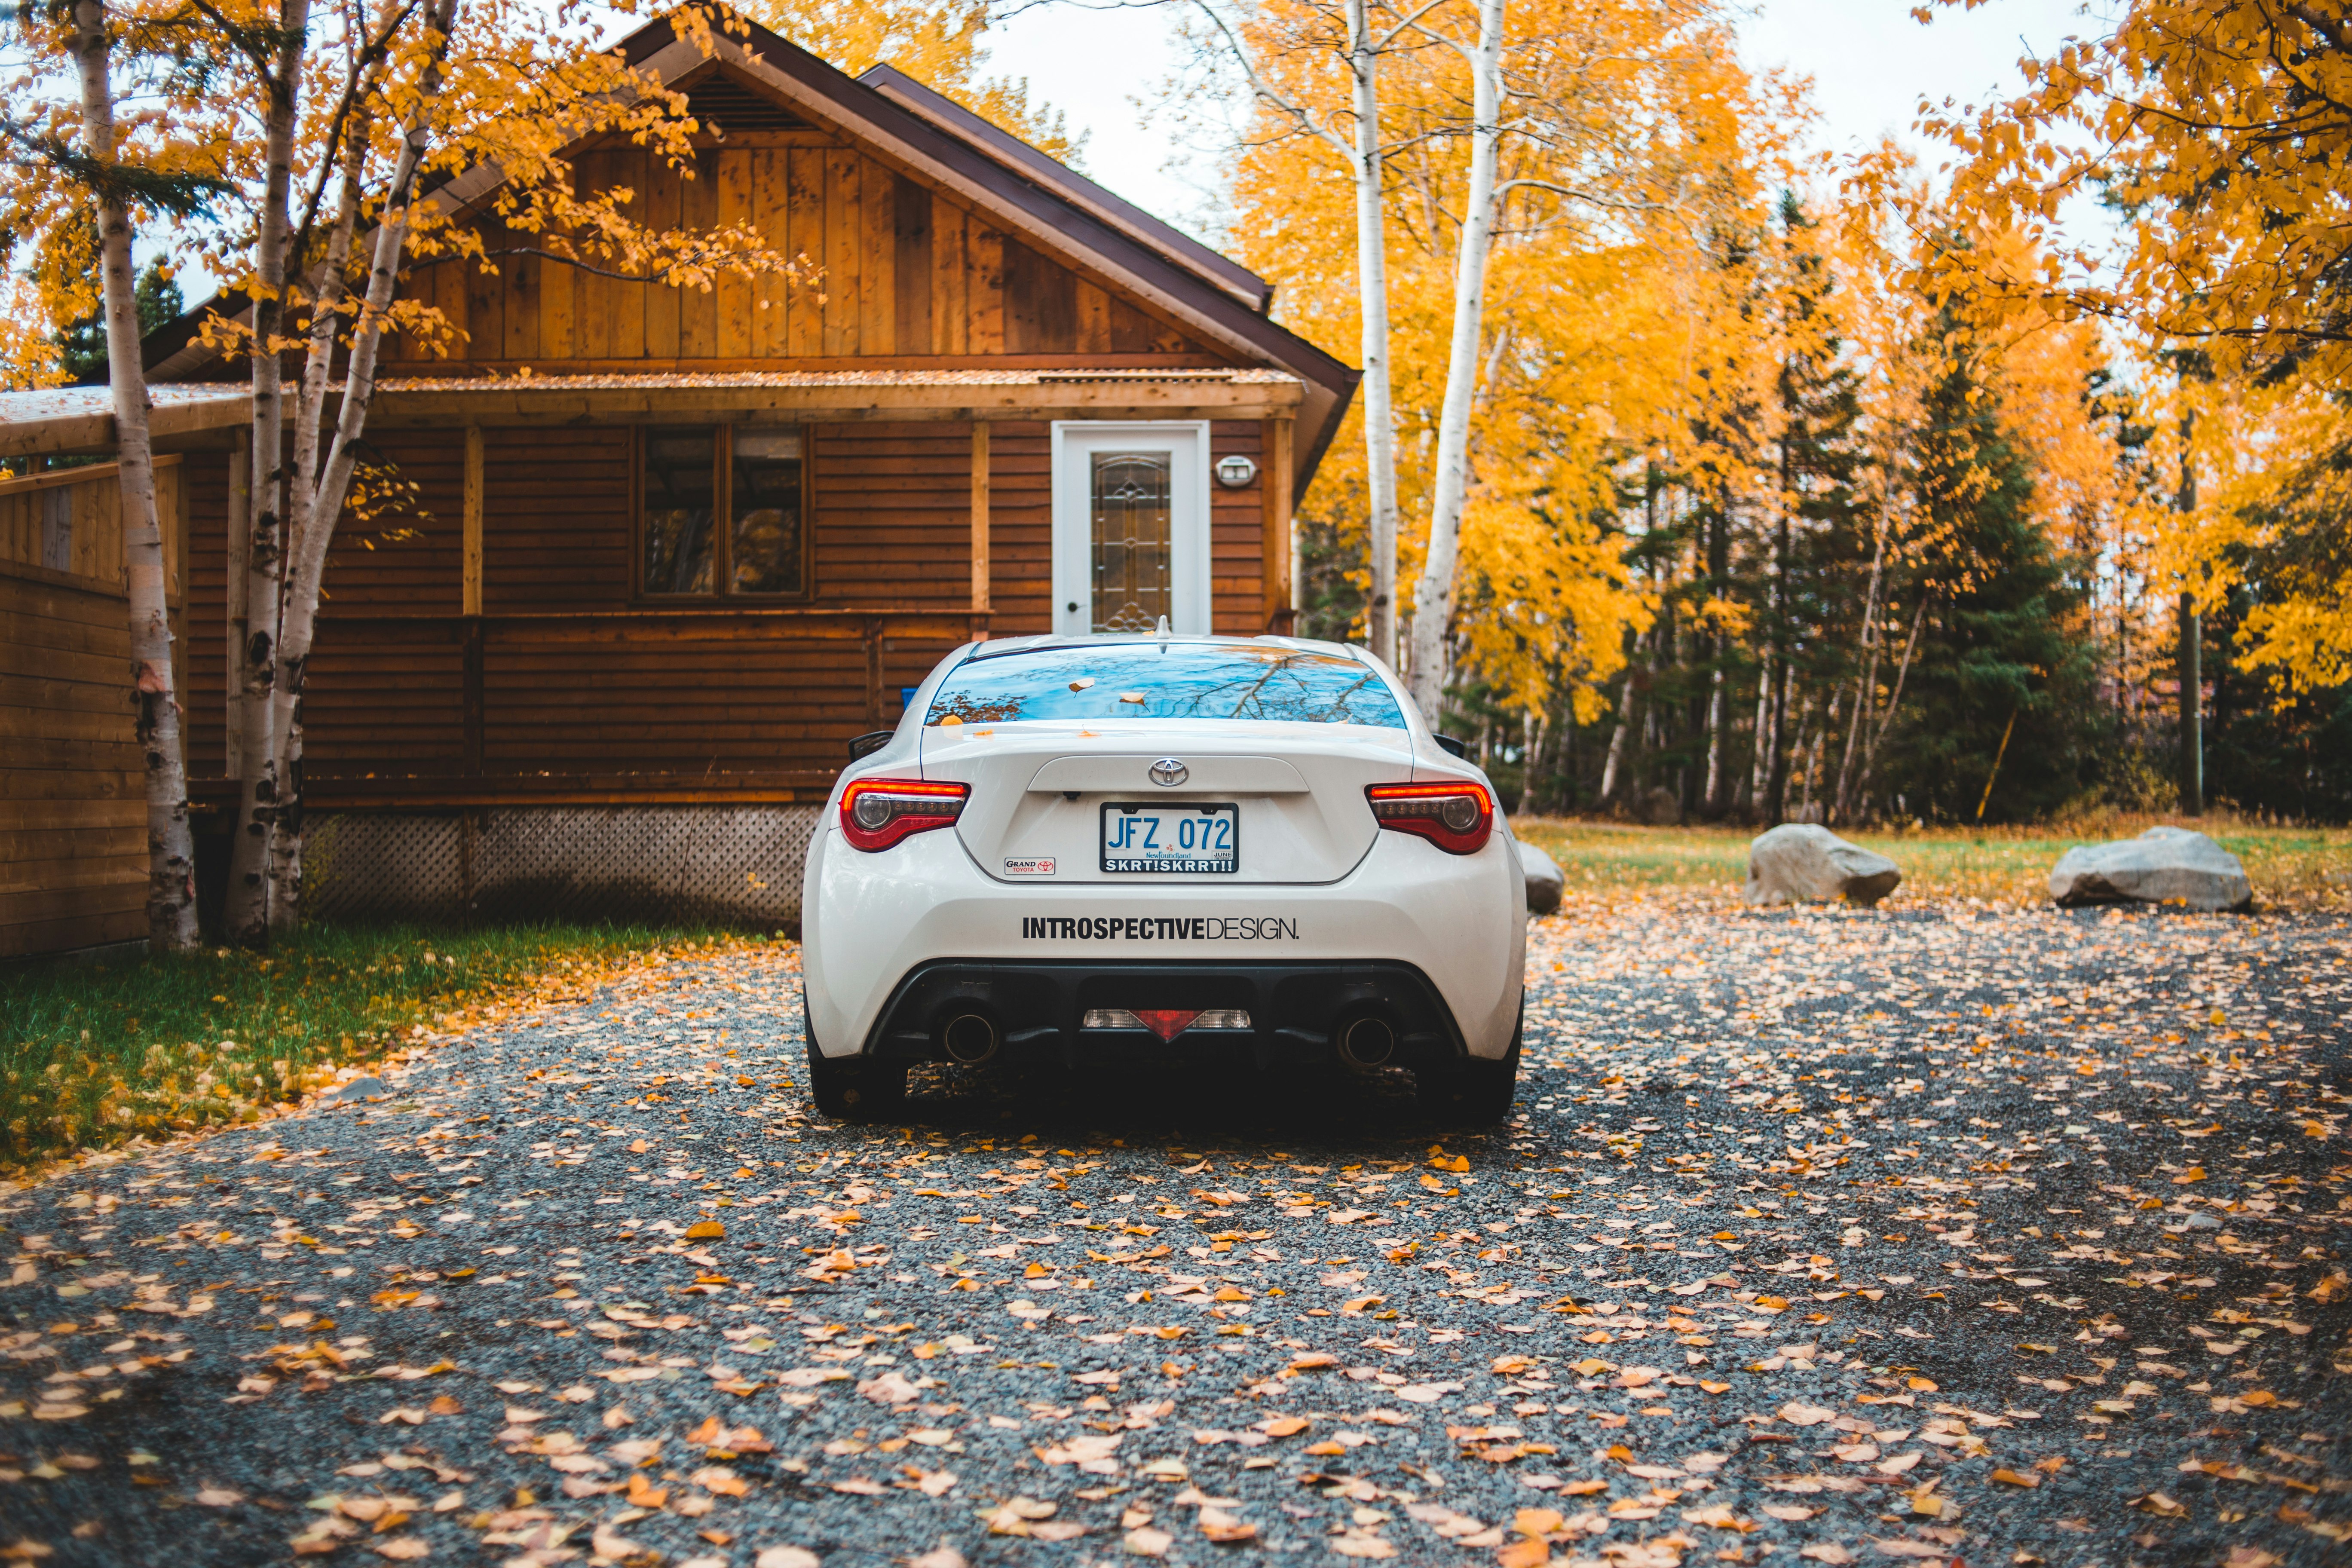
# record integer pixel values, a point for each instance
(1475, 1093)
(856, 1089)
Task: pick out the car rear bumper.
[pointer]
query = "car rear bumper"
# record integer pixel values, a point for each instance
(1036, 1011)
(870, 921)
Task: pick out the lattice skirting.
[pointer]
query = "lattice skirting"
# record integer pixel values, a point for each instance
(724, 865)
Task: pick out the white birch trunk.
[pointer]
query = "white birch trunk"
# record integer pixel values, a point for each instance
(1865, 691)
(171, 848)
(1894, 701)
(1432, 603)
(1368, 167)
(1713, 797)
(302, 504)
(320, 509)
(245, 918)
(1812, 751)
(1613, 767)
(1764, 739)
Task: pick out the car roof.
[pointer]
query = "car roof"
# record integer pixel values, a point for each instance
(999, 647)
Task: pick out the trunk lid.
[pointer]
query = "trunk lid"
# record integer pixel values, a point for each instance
(1039, 787)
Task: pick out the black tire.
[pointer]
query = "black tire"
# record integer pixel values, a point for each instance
(854, 1090)
(1473, 1093)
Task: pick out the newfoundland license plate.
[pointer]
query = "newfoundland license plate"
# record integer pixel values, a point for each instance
(1171, 839)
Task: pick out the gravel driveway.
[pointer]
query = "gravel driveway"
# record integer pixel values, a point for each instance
(2008, 1238)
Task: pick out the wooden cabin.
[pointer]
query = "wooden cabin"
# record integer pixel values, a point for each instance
(669, 550)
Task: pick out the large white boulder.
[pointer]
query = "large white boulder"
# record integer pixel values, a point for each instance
(1544, 879)
(1802, 862)
(2162, 866)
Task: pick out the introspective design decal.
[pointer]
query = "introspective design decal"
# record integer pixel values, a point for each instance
(1160, 927)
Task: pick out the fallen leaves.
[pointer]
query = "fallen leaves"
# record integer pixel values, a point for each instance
(1425, 1393)
(1361, 1544)
(1225, 1528)
(889, 1388)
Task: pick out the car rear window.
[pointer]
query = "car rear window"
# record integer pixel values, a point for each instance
(1164, 681)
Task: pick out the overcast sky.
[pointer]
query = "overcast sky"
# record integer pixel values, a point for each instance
(1870, 63)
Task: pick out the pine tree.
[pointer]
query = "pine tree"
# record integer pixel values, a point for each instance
(2000, 719)
(1813, 539)
(82, 347)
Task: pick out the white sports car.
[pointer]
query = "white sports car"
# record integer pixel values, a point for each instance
(1081, 850)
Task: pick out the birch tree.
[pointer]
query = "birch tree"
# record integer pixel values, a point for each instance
(1621, 125)
(80, 174)
(1432, 603)
(171, 848)
(1283, 53)
(364, 105)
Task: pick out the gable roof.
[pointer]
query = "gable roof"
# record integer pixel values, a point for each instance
(1048, 206)
(1072, 186)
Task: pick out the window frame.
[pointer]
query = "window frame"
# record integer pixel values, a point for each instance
(723, 544)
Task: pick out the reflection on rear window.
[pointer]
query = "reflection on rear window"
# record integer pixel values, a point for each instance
(1165, 680)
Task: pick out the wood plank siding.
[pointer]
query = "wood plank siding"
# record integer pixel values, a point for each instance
(570, 686)
(71, 521)
(901, 274)
(73, 814)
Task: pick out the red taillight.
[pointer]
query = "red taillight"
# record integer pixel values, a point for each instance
(1457, 816)
(878, 813)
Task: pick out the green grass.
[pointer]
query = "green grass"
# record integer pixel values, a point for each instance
(2291, 868)
(92, 1053)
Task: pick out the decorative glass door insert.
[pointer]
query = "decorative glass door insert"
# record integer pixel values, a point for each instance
(1134, 545)
(1130, 526)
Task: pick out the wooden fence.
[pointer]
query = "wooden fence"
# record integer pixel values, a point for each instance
(73, 818)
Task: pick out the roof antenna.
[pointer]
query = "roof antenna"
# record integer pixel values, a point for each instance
(1164, 634)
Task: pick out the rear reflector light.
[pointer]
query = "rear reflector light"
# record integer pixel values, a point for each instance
(1165, 1021)
(878, 813)
(1457, 815)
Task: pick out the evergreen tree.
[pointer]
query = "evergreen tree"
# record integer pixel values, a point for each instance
(1815, 597)
(1998, 693)
(82, 345)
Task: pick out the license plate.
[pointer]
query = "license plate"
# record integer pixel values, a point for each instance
(1170, 840)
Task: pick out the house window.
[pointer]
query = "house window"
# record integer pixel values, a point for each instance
(724, 512)
(1130, 526)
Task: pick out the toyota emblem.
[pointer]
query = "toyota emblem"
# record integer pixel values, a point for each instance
(1169, 771)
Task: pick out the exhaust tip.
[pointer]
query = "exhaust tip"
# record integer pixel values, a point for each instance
(1366, 1042)
(969, 1038)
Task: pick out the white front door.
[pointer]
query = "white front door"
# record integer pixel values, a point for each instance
(1130, 526)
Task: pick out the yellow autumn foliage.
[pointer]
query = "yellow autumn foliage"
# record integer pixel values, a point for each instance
(2223, 130)
(1637, 143)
